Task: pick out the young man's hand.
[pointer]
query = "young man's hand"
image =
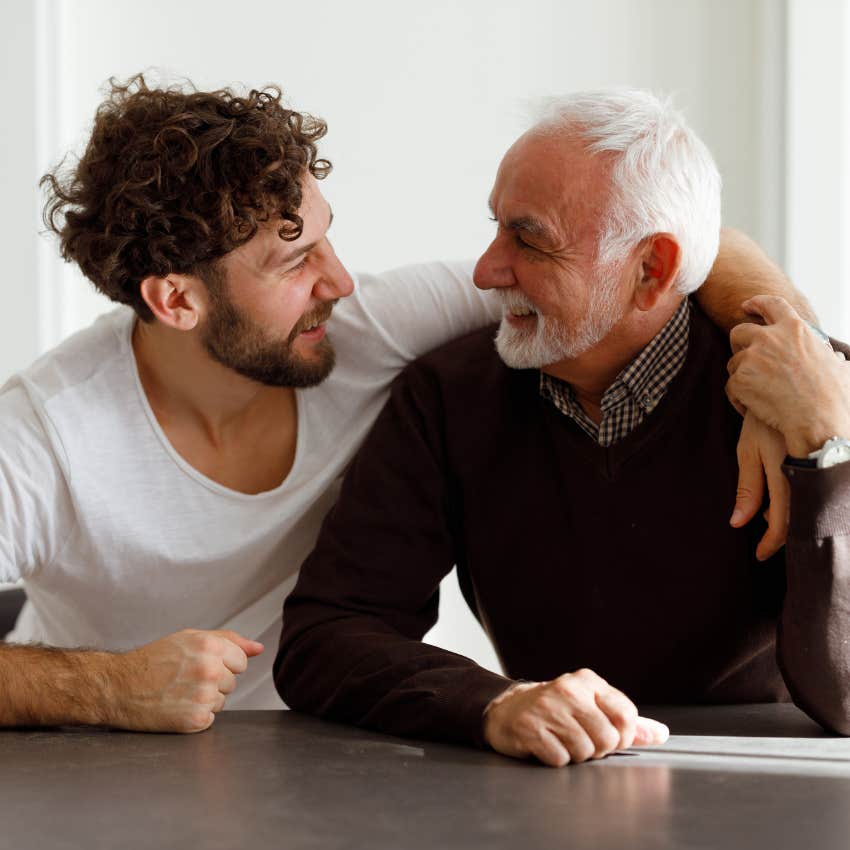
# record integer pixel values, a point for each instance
(573, 718)
(788, 377)
(177, 683)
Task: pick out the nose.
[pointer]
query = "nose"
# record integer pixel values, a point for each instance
(493, 269)
(334, 280)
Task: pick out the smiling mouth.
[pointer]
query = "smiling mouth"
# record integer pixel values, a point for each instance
(314, 324)
(521, 312)
(309, 324)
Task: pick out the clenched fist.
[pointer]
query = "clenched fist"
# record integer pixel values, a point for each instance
(573, 718)
(179, 682)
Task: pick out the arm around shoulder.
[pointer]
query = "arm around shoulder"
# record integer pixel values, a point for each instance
(741, 271)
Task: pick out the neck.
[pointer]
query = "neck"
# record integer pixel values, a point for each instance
(185, 385)
(593, 371)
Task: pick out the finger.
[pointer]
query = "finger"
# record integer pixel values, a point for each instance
(750, 491)
(574, 737)
(218, 703)
(734, 362)
(248, 646)
(227, 682)
(650, 733)
(778, 513)
(621, 713)
(234, 658)
(743, 335)
(772, 308)
(547, 748)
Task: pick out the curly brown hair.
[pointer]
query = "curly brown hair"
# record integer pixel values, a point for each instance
(171, 180)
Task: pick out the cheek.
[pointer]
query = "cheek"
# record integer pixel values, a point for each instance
(559, 294)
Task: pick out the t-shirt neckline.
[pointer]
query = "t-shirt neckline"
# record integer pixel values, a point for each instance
(179, 460)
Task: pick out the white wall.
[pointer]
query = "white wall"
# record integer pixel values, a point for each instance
(421, 98)
(818, 160)
(18, 173)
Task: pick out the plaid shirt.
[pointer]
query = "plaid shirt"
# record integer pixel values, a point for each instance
(637, 389)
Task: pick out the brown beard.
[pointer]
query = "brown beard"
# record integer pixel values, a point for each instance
(233, 340)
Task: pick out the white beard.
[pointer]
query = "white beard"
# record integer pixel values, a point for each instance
(552, 341)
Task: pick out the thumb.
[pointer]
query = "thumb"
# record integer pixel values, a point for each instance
(248, 646)
(648, 733)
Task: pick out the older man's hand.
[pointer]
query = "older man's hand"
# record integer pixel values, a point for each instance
(761, 452)
(788, 378)
(573, 718)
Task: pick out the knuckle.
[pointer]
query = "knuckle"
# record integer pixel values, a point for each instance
(207, 670)
(206, 695)
(207, 643)
(568, 689)
(623, 718)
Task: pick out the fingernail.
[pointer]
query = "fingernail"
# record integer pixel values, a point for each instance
(737, 514)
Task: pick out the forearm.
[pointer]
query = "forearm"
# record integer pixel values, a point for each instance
(814, 633)
(357, 670)
(741, 271)
(40, 686)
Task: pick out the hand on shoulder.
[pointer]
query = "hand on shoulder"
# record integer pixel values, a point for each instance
(784, 373)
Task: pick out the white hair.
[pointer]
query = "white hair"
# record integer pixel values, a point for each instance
(664, 179)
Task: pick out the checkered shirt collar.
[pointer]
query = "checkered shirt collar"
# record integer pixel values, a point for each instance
(636, 390)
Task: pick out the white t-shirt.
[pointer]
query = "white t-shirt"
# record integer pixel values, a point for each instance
(119, 541)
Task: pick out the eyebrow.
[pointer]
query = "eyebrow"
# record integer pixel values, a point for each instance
(274, 260)
(530, 225)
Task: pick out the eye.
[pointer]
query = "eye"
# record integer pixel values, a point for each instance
(298, 267)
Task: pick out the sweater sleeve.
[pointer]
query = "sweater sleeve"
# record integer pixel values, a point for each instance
(351, 646)
(814, 630)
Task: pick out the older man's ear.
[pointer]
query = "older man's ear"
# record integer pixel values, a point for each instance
(660, 258)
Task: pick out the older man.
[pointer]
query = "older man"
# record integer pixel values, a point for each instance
(578, 480)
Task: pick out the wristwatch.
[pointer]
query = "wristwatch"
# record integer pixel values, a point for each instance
(834, 451)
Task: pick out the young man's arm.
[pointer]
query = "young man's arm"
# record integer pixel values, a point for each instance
(741, 271)
(175, 684)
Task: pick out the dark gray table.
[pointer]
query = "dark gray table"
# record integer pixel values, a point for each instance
(744, 776)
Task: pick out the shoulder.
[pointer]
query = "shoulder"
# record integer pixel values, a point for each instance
(398, 315)
(77, 359)
(74, 374)
(468, 372)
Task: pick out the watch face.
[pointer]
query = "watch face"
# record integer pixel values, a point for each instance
(835, 455)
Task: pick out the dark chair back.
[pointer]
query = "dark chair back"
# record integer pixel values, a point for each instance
(11, 602)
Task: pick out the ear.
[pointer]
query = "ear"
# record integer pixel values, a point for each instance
(175, 300)
(660, 261)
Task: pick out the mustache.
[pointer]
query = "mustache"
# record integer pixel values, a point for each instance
(316, 316)
(513, 299)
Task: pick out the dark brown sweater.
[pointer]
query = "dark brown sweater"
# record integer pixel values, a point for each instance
(571, 555)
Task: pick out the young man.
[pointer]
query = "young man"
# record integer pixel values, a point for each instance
(170, 466)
